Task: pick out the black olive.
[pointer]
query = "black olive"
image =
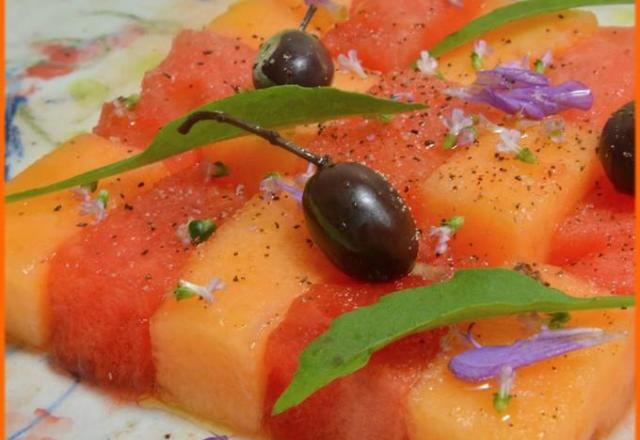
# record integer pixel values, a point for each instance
(617, 148)
(360, 222)
(292, 57)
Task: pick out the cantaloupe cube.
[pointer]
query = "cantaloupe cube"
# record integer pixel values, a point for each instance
(35, 227)
(510, 207)
(521, 38)
(209, 359)
(254, 21)
(577, 396)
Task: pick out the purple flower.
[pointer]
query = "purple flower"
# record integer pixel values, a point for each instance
(487, 362)
(509, 78)
(522, 91)
(301, 179)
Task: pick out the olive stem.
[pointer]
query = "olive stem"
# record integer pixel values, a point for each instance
(307, 16)
(272, 136)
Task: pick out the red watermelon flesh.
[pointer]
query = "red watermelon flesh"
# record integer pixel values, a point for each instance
(106, 282)
(390, 35)
(200, 67)
(596, 241)
(407, 149)
(367, 404)
(604, 62)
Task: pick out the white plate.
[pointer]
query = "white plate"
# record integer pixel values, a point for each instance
(43, 403)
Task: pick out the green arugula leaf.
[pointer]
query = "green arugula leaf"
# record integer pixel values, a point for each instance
(507, 14)
(471, 294)
(281, 106)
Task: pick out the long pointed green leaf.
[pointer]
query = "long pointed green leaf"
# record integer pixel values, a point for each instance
(470, 294)
(507, 14)
(272, 107)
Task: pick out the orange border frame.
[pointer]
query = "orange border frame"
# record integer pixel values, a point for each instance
(637, 225)
(2, 191)
(2, 310)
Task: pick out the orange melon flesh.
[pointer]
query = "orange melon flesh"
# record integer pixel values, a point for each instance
(578, 396)
(255, 21)
(34, 228)
(530, 37)
(210, 358)
(510, 207)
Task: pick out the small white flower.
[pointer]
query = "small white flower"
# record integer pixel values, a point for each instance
(352, 63)
(269, 186)
(240, 190)
(505, 383)
(460, 128)
(547, 58)
(182, 232)
(457, 3)
(457, 121)
(187, 288)
(486, 123)
(554, 129)
(427, 64)
(466, 137)
(89, 206)
(444, 234)
(541, 64)
(481, 48)
(509, 141)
